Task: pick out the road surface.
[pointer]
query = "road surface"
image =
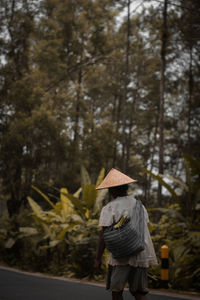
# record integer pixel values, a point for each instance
(16, 285)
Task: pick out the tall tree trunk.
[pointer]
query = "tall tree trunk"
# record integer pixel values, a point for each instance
(77, 110)
(151, 157)
(190, 88)
(125, 90)
(129, 136)
(162, 98)
(14, 202)
(116, 121)
(76, 133)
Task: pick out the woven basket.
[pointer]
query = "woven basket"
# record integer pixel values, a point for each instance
(128, 239)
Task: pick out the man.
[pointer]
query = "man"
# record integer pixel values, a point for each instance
(131, 269)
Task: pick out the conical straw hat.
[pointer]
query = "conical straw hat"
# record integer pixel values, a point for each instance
(115, 178)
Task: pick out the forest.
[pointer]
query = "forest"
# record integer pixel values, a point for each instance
(85, 86)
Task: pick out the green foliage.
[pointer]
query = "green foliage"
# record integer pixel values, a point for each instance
(62, 73)
(62, 240)
(67, 233)
(179, 227)
(161, 181)
(19, 241)
(183, 240)
(62, 92)
(190, 190)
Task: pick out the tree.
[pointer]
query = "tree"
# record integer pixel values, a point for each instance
(162, 97)
(66, 70)
(18, 25)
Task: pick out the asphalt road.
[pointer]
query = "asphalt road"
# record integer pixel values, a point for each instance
(15, 285)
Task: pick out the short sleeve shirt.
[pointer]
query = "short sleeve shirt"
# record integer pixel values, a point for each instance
(112, 212)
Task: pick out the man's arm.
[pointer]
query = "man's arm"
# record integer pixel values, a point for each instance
(100, 250)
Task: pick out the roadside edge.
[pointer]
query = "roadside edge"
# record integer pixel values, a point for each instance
(178, 295)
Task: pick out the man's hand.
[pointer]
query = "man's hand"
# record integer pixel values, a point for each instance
(100, 250)
(97, 266)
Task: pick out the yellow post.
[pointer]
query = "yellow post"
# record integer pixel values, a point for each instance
(165, 266)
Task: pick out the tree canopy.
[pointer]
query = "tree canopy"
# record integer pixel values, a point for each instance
(80, 85)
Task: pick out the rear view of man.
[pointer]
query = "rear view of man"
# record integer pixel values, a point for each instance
(130, 269)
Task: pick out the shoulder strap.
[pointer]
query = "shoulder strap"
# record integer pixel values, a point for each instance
(138, 218)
